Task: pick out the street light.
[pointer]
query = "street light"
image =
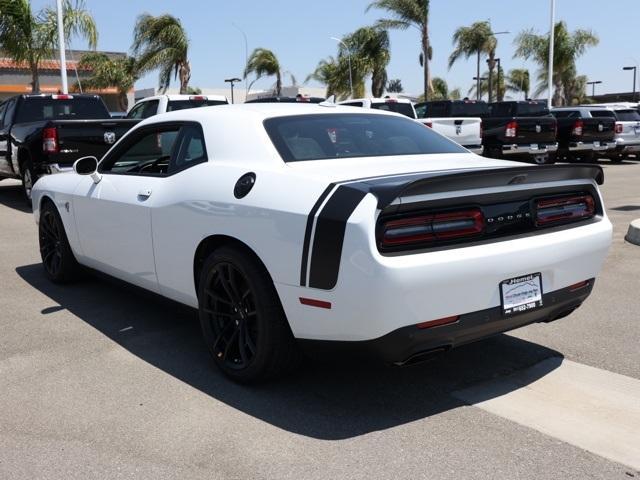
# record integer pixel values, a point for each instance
(491, 68)
(635, 69)
(246, 55)
(341, 42)
(231, 81)
(496, 60)
(478, 80)
(552, 39)
(593, 86)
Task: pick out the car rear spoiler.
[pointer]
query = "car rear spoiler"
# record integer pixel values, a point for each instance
(388, 189)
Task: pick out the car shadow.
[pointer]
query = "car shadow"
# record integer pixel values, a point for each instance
(331, 399)
(11, 196)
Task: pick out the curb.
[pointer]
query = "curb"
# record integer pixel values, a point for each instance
(633, 235)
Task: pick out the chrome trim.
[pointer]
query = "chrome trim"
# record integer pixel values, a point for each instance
(582, 146)
(540, 149)
(477, 149)
(56, 168)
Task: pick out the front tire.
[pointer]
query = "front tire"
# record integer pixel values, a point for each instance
(59, 263)
(242, 320)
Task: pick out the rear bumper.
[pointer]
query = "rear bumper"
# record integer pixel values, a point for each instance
(590, 146)
(410, 344)
(622, 147)
(529, 149)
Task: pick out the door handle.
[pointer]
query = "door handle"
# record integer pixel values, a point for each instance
(144, 193)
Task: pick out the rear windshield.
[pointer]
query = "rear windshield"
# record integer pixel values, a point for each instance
(34, 109)
(185, 104)
(329, 136)
(397, 107)
(602, 113)
(532, 108)
(628, 115)
(470, 109)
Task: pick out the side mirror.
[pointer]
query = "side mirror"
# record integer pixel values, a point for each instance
(87, 166)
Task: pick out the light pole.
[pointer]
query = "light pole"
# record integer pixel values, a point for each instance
(635, 69)
(231, 81)
(490, 64)
(246, 55)
(552, 38)
(341, 42)
(63, 57)
(479, 81)
(496, 60)
(593, 87)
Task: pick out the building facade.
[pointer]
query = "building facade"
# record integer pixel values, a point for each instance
(15, 78)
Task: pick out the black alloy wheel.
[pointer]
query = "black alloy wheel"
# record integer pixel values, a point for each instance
(242, 320)
(230, 307)
(57, 258)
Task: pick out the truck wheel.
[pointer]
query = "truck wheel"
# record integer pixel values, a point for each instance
(29, 178)
(242, 320)
(58, 260)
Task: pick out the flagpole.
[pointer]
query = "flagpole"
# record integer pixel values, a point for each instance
(63, 59)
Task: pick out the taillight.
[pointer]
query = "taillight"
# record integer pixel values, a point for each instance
(62, 97)
(428, 124)
(50, 140)
(564, 209)
(511, 129)
(577, 128)
(198, 98)
(433, 228)
(619, 127)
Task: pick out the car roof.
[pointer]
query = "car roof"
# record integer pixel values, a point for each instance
(378, 100)
(286, 100)
(177, 97)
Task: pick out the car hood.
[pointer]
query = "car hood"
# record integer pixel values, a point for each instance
(342, 169)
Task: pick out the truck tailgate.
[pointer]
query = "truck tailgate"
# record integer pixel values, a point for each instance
(87, 137)
(536, 129)
(598, 129)
(465, 131)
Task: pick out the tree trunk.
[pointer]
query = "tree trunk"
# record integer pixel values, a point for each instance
(492, 64)
(185, 75)
(278, 83)
(425, 62)
(123, 102)
(478, 94)
(35, 78)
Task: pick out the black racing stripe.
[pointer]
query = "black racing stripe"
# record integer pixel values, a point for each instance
(329, 236)
(307, 233)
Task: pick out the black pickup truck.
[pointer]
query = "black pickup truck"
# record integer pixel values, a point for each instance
(584, 132)
(520, 130)
(43, 134)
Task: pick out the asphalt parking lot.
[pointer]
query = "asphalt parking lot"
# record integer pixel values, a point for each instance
(100, 381)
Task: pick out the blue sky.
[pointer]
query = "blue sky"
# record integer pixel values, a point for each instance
(298, 32)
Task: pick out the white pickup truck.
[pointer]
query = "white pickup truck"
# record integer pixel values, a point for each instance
(458, 120)
(627, 129)
(149, 106)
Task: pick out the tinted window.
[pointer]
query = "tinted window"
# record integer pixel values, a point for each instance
(421, 110)
(437, 109)
(11, 108)
(352, 104)
(3, 108)
(469, 109)
(136, 111)
(33, 109)
(190, 150)
(628, 115)
(149, 154)
(500, 110)
(566, 114)
(532, 109)
(397, 107)
(185, 104)
(330, 136)
(602, 113)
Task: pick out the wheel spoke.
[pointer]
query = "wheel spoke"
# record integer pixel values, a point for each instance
(217, 298)
(229, 343)
(241, 342)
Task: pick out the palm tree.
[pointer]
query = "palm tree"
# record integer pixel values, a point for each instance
(120, 73)
(263, 62)
(28, 37)
(334, 74)
(369, 50)
(568, 47)
(409, 13)
(395, 86)
(474, 40)
(161, 43)
(481, 88)
(518, 81)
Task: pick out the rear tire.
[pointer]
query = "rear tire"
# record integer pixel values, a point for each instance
(59, 263)
(243, 323)
(29, 179)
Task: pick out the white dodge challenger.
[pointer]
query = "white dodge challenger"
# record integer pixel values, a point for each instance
(287, 225)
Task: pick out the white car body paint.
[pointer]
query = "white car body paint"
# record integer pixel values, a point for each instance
(152, 242)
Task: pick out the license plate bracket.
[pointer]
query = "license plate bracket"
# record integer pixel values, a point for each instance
(521, 294)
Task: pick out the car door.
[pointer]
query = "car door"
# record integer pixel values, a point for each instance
(113, 217)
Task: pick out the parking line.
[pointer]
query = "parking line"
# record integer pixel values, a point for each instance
(593, 409)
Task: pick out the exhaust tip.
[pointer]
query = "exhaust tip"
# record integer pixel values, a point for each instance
(423, 356)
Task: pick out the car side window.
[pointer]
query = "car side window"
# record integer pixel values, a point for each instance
(190, 149)
(8, 116)
(421, 110)
(352, 104)
(150, 108)
(136, 111)
(150, 153)
(438, 109)
(3, 108)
